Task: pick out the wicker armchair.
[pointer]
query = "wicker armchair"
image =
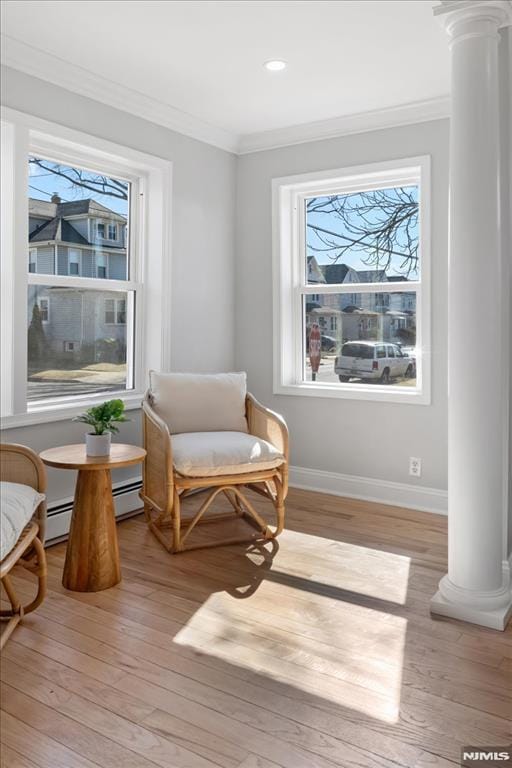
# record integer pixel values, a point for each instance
(166, 479)
(19, 464)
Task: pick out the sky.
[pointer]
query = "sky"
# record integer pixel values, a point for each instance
(42, 185)
(352, 257)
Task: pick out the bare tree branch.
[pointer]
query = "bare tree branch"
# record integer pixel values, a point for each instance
(102, 185)
(377, 224)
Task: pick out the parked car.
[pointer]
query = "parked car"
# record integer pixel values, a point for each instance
(374, 361)
(329, 343)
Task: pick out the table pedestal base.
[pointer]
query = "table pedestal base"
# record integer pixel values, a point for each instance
(92, 556)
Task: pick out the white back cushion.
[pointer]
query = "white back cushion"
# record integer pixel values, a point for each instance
(198, 402)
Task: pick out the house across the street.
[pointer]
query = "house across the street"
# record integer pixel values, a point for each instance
(81, 238)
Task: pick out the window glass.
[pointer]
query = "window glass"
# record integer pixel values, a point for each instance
(349, 332)
(370, 236)
(65, 203)
(101, 265)
(74, 262)
(80, 346)
(44, 309)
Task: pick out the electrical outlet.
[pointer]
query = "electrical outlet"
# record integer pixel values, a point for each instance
(414, 466)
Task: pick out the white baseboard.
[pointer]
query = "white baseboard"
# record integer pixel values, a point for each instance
(371, 489)
(351, 486)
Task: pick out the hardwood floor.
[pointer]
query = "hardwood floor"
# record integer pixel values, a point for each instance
(314, 651)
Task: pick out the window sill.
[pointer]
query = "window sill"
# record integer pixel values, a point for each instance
(45, 413)
(376, 393)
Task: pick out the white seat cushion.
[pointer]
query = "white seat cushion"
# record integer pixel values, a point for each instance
(18, 504)
(190, 402)
(205, 454)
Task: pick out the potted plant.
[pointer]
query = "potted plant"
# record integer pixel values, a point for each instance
(102, 418)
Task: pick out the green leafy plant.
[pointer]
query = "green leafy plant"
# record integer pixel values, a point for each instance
(102, 417)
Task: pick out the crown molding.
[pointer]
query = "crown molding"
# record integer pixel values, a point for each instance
(37, 63)
(45, 66)
(392, 117)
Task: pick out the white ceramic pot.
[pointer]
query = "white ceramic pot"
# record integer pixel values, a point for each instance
(98, 445)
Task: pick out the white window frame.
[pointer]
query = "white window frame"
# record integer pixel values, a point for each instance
(112, 239)
(289, 281)
(151, 179)
(100, 223)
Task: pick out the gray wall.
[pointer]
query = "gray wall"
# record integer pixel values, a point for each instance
(352, 437)
(203, 205)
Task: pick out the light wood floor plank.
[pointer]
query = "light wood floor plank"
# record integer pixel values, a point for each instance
(9, 758)
(319, 652)
(144, 745)
(36, 744)
(130, 706)
(249, 704)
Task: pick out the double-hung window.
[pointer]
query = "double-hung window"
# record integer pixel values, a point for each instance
(44, 310)
(101, 265)
(101, 334)
(73, 260)
(352, 245)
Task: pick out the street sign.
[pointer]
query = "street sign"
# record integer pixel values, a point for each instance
(315, 348)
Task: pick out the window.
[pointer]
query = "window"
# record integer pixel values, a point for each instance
(44, 310)
(353, 245)
(73, 262)
(100, 336)
(101, 266)
(100, 229)
(115, 311)
(112, 232)
(94, 359)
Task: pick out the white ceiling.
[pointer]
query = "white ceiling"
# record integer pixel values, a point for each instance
(205, 59)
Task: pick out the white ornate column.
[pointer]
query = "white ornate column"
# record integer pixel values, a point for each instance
(477, 587)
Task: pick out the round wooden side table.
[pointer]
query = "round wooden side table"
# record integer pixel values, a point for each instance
(92, 555)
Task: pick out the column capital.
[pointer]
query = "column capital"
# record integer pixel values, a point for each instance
(472, 18)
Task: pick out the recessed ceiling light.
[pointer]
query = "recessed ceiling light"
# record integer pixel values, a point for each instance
(275, 65)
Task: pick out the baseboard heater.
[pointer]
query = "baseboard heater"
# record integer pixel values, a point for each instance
(126, 500)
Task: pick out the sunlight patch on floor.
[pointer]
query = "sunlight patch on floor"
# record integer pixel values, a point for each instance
(365, 571)
(297, 620)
